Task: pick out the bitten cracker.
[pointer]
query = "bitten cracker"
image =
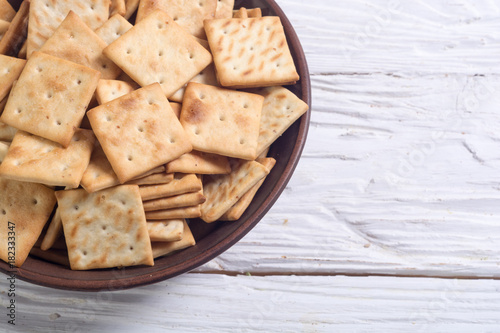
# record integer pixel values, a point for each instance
(251, 52)
(158, 50)
(222, 121)
(188, 14)
(164, 248)
(176, 201)
(74, 41)
(166, 231)
(280, 110)
(223, 191)
(34, 159)
(24, 210)
(106, 228)
(50, 97)
(46, 15)
(182, 183)
(113, 28)
(200, 163)
(108, 90)
(239, 207)
(139, 122)
(10, 69)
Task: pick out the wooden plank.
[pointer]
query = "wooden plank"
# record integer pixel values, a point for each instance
(396, 36)
(399, 176)
(219, 303)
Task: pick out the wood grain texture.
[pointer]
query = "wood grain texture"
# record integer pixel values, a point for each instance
(220, 303)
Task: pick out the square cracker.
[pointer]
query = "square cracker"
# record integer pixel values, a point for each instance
(164, 248)
(206, 76)
(15, 36)
(224, 9)
(27, 206)
(175, 213)
(233, 115)
(166, 230)
(113, 28)
(74, 41)
(280, 110)
(34, 159)
(50, 97)
(200, 163)
(182, 183)
(251, 52)
(158, 50)
(108, 90)
(239, 207)
(46, 15)
(10, 69)
(7, 13)
(188, 14)
(133, 124)
(176, 201)
(223, 191)
(105, 229)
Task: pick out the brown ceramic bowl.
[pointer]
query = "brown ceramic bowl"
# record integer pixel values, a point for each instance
(212, 239)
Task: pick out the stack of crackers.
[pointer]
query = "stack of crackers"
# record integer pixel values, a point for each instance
(114, 133)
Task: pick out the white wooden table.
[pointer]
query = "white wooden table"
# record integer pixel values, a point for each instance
(391, 221)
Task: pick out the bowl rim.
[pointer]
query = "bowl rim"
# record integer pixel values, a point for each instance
(121, 283)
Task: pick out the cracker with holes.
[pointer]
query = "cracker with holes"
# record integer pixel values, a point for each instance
(108, 90)
(200, 163)
(280, 110)
(133, 124)
(50, 97)
(182, 183)
(46, 15)
(235, 212)
(35, 159)
(24, 210)
(222, 121)
(163, 248)
(113, 28)
(206, 76)
(166, 231)
(223, 191)
(10, 69)
(73, 40)
(105, 229)
(188, 14)
(158, 50)
(251, 52)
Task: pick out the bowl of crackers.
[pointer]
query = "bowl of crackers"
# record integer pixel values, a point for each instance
(140, 139)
